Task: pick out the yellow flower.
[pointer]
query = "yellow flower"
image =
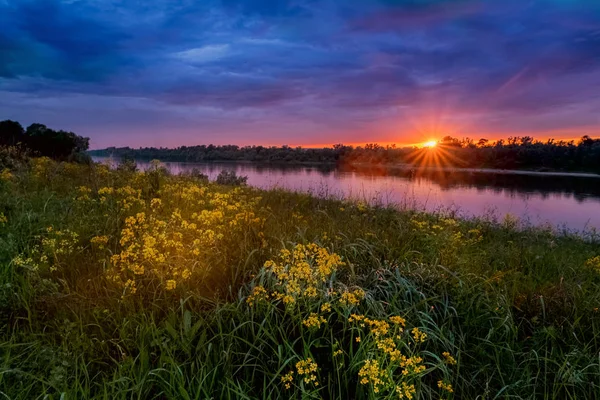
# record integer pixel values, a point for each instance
(371, 373)
(448, 358)
(259, 293)
(171, 284)
(357, 339)
(405, 391)
(445, 386)
(398, 320)
(418, 335)
(314, 321)
(287, 380)
(308, 369)
(326, 307)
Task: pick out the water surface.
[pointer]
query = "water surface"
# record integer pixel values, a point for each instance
(563, 201)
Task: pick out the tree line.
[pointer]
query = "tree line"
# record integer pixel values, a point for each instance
(512, 153)
(39, 140)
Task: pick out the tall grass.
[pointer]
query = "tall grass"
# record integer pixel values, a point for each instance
(516, 308)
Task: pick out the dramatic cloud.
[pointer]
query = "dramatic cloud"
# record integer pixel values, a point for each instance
(301, 72)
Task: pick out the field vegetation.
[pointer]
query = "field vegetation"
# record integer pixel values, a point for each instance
(120, 284)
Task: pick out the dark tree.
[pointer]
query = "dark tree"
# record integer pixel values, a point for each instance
(11, 133)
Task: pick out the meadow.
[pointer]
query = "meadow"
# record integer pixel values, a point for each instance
(117, 284)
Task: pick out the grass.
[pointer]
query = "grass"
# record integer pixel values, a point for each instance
(516, 308)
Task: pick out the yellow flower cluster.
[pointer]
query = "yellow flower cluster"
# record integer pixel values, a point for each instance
(418, 335)
(448, 234)
(52, 251)
(314, 321)
(411, 365)
(303, 271)
(352, 298)
(308, 370)
(287, 380)
(448, 358)
(3, 219)
(84, 193)
(371, 373)
(326, 307)
(445, 386)
(405, 390)
(6, 175)
(175, 237)
(387, 339)
(593, 263)
(259, 293)
(100, 241)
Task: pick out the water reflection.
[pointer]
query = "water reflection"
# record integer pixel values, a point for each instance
(569, 201)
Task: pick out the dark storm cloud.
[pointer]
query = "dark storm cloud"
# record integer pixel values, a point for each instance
(307, 63)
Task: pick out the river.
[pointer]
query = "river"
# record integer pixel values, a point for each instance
(563, 201)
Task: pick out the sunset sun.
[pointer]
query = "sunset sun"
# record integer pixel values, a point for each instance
(430, 144)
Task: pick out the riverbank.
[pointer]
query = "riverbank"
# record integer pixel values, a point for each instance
(117, 284)
(388, 166)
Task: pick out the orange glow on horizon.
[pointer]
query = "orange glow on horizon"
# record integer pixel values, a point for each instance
(430, 144)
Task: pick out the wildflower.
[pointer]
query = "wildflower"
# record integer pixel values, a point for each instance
(3, 219)
(445, 386)
(326, 307)
(99, 241)
(287, 380)
(155, 202)
(411, 365)
(405, 391)
(448, 358)
(357, 339)
(303, 271)
(314, 321)
(308, 369)
(352, 298)
(259, 293)
(418, 335)
(593, 263)
(371, 373)
(398, 320)
(5, 175)
(171, 284)
(337, 352)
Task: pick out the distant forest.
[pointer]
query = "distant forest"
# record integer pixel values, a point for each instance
(39, 140)
(513, 153)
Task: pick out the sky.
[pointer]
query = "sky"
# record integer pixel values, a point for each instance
(301, 72)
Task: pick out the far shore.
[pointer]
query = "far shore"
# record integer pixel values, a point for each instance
(387, 166)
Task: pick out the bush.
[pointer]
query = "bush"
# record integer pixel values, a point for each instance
(230, 178)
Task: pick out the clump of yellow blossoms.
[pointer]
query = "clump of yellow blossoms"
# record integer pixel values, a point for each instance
(307, 369)
(287, 379)
(178, 236)
(53, 250)
(6, 175)
(100, 241)
(418, 335)
(303, 271)
(593, 263)
(445, 386)
(326, 307)
(259, 293)
(448, 358)
(352, 298)
(314, 321)
(371, 373)
(405, 391)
